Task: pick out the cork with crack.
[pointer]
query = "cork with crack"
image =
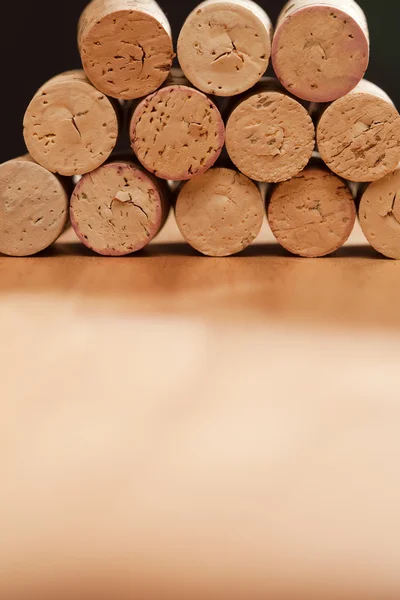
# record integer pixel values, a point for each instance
(270, 136)
(70, 128)
(312, 214)
(320, 49)
(118, 209)
(379, 215)
(177, 132)
(358, 136)
(219, 213)
(33, 207)
(125, 46)
(224, 46)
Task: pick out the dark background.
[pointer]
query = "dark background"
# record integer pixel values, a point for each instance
(38, 40)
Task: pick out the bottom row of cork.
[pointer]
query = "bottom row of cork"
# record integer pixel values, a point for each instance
(119, 208)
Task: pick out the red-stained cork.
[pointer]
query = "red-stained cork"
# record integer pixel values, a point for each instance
(70, 127)
(358, 136)
(313, 214)
(270, 136)
(125, 46)
(219, 213)
(224, 46)
(320, 50)
(33, 207)
(118, 209)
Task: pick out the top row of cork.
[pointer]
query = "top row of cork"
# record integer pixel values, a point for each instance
(320, 51)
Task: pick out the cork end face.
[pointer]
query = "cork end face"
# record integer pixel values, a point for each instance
(313, 214)
(358, 137)
(177, 133)
(127, 54)
(320, 53)
(224, 48)
(70, 128)
(220, 213)
(33, 208)
(116, 210)
(270, 137)
(379, 215)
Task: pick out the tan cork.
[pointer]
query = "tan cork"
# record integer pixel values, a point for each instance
(219, 213)
(224, 47)
(313, 214)
(33, 207)
(358, 136)
(177, 132)
(320, 50)
(70, 128)
(118, 209)
(126, 46)
(379, 215)
(270, 136)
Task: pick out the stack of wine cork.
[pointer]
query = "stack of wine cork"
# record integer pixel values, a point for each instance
(206, 138)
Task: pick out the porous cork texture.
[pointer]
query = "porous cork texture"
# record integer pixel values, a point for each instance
(219, 213)
(313, 214)
(177, 133)
(358, 136)
(125, 46)
(270, 137)
(224, 48)
(320, 50)
(118, 209)
(33, 207)
(70, 128)
(379, 215)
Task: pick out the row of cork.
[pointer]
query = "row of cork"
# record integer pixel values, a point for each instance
(207, 138)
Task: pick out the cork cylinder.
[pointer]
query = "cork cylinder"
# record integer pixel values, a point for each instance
(33, 207)
(224, 47)
(320, 49)
(313, 214)
(358, 136)
(270, 136)
(70, 128)
(379, 215)
(125, 46)
(219, 213)
(177, 132)
(118, 209)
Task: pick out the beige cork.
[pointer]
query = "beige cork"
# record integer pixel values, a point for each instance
(379, 215)
(126, 46)
(70, 128)
(358, 136)
(177, 132)
(118, 209)
(320, 49)
(224, 47)
(313, 214)
(33, 207)
(270, 136)
(219, 213)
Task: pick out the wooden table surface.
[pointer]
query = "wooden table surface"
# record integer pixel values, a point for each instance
(192, 427)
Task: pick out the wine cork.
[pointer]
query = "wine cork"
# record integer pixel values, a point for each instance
(33, 207)
(270, 137)
(177, 132)
(118, 209)
(70, 128)
(313, 214)
(320, 49)
(358, 136)
(219, 213)
(224, 47)
(126, 46)
(379, 214)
